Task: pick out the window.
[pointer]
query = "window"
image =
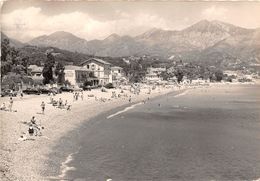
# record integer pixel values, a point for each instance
(87, 66)
(118, 71)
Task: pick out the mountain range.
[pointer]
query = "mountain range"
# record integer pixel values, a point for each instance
(204, 40)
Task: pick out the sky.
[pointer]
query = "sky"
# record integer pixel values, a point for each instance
(27, 19)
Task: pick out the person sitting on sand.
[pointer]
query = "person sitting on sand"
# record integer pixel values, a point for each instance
(3, 107)
(54, 103)
(33, 120)
(35, 126)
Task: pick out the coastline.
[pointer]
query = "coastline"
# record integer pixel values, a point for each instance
(26, 160)
(69, 143)
(41, 159)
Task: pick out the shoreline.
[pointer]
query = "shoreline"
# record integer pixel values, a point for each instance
(58, 126)
(62, 145)
(57, 123)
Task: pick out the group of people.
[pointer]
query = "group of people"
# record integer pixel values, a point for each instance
(8, 107)
(76, 95)
(60, 103)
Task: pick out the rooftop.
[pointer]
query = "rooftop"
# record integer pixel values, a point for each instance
(73, 67)
(96, 59)
(35, 68)
(116, 67)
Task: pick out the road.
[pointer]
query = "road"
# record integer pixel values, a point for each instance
(203, 134)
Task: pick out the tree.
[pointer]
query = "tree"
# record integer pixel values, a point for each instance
(47, 69)
(5, 49)
(9, 59)
(59, 72)
(165, 75)
(219, 75)
(179, 74)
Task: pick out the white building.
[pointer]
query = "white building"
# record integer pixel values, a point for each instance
(154, 74)
(118, 76)
(117, 72)
(101, 69)
(36, 73)
(78, 75)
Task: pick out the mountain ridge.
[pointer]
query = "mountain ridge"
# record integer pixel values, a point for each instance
(198, 41)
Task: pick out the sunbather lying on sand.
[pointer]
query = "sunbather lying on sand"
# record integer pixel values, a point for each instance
(3, 107)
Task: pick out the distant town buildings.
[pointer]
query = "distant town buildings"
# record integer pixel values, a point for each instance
(154, 74)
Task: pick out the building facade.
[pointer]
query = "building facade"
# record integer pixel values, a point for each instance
(36, 73)
(101, 69)
(77, 76)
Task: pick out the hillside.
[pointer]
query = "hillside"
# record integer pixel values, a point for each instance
(13, 42)
(211, 42)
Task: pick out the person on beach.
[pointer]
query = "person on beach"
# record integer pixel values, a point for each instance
(43, 107)
(31, 130)
(3, 107)
(74, 96)
(82, 96)
(60, 103)
(69, 108)
(33, 120)
(77, 96)
(35, 126)
(21, 94)
(11, 104)
(51, 97)
(66, 102)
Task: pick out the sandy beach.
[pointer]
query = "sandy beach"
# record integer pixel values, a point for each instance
(23, 159)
